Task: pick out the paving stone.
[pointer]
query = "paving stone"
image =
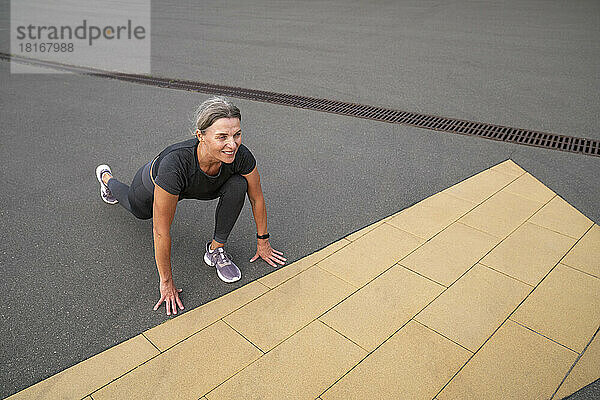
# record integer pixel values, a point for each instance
(379, 309)
(565, 307)
(355, 235)
(501, 214)
(278, 314)
(302, 367)
(185, 325)
(586, 371)
(448, 255)
(286, 272)
(480, 187)
(529, 187)
(415, 363)
(370, 255)
(529, 253)
(188, 370)
(430, 216)
(515, 363)
(89, 375)
(509, 167)
(474, 307)
(560, 216)
(585, 256)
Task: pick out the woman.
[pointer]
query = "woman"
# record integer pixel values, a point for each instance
(214, 164)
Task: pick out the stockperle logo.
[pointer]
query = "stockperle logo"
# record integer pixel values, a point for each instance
(105, 34)
(82, 32)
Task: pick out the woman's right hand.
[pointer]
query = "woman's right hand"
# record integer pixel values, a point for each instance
(170, 295)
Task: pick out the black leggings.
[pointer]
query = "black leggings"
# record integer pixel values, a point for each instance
(137, 199)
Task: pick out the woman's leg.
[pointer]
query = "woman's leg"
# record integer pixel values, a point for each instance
(120, 191)
(140, 197)
(135, 198)
(232, 195)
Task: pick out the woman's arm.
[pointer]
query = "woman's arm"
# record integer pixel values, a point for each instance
(163, 211)
(259, 210)
(257, 200)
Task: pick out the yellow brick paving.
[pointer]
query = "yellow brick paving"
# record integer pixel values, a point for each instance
(488, 289)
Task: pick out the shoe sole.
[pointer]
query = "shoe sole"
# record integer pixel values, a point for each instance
(221, 277)
(98, 169)
(106, 201)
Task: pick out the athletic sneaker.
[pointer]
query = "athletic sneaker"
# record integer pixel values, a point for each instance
(104, 190)
(226, 269)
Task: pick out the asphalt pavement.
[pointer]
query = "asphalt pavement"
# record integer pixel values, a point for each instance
(80, 274)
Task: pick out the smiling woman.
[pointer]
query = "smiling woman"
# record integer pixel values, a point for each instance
(214, 164)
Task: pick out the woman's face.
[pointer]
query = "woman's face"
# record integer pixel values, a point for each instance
(222, 139)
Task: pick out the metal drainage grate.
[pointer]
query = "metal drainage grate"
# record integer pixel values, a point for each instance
(452, 125)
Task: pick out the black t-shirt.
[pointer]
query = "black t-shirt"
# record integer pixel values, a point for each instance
(177, 171)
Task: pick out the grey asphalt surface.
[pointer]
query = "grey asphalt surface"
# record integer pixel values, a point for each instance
(591, 391)
(79, 275)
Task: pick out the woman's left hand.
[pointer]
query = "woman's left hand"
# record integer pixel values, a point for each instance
(267, 253)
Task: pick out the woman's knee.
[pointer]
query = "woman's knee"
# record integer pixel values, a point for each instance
(142, 210)
(236, 184)
(141, 202)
